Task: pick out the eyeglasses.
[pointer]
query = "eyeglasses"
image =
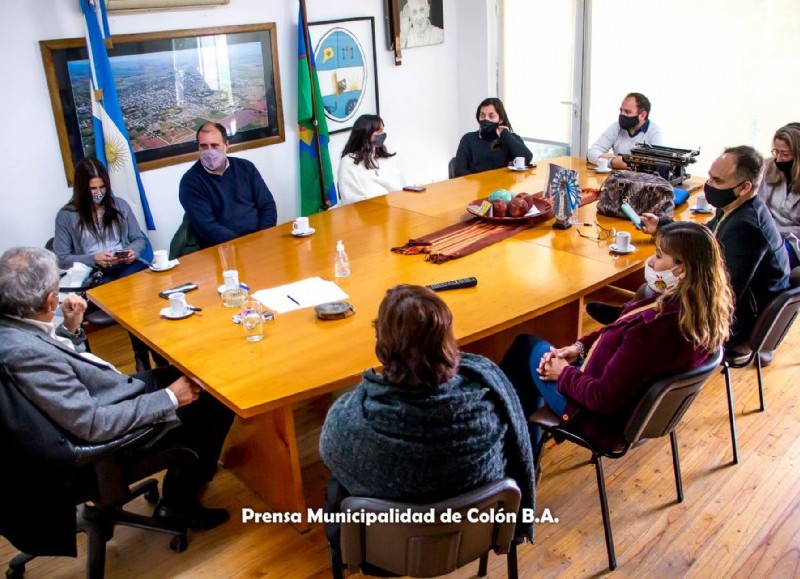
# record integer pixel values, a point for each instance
(782, 155)
(602, 233)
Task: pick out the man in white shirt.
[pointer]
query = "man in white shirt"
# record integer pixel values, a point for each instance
(633, 127)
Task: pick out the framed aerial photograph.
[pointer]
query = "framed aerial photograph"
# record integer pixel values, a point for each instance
(344, 51)
(169, 84)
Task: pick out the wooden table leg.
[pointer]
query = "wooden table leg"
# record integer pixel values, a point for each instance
(262, 452)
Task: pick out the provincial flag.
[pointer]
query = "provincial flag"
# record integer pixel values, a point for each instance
(317, 189)
(111, 136)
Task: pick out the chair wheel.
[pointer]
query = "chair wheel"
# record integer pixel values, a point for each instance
(152, 495)
(179, 543)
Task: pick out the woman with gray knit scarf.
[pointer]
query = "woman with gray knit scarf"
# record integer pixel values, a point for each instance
(433, 424)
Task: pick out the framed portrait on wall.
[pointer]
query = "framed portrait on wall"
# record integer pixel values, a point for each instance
(170, 83)
(344, 52)
(421, 22)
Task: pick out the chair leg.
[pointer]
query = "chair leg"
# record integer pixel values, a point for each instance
(601, 487)
(757, 360)
(337, 567)
(676, 465)
(511, 561)
(16, 567)
(727, 371)
(483, 565)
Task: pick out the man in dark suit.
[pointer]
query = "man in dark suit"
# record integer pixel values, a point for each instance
(89, 398)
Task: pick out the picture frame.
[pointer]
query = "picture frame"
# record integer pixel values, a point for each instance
(413, 24)
(169, 84)
(347, 68)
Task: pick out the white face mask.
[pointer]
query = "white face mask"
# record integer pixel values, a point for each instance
(660, 281)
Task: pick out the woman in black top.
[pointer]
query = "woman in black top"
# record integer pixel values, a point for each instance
(494, 145)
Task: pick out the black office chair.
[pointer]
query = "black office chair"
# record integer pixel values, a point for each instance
(451, 168)
(768, 332)
(436, 548)
(655, 414)
(51, 478)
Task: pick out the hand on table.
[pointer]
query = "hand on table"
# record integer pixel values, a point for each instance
(618, 163)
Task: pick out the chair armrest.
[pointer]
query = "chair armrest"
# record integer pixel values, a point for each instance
(85, 452)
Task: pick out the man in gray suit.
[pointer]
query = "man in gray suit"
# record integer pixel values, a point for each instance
(89, 398)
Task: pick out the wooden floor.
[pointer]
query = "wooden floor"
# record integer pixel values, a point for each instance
(736, 521)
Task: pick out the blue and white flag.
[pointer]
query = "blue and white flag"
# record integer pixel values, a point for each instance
(111, 137)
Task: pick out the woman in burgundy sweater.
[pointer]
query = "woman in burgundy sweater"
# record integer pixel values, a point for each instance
(674, 330)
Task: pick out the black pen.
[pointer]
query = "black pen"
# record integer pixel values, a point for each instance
(294, 300)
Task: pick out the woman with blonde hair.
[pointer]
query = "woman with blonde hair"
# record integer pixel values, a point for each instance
(684, 321)
(780, 187)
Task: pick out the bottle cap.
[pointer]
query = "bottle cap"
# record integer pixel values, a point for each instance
(339, 245)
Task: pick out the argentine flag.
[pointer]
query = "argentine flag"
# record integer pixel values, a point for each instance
(111, 137)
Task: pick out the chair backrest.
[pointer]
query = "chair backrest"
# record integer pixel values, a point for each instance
(664, 403)
(451, 168)
(432, 547)
(775, 320)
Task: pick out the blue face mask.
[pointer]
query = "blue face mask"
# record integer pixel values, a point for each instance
(379, 140)
(98, 198)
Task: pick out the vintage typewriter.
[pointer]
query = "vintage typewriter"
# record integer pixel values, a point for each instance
(665, 161)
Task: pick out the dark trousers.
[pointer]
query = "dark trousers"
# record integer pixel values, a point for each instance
(204, 425)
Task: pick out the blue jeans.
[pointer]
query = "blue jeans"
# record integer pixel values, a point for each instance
(519, 364)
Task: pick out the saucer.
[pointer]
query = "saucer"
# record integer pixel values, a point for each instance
(167, 313)
(310, 231)
(242, 285)
(170, 265)
(698, 210)
(613, 247)
(599, 170)
(525, 168)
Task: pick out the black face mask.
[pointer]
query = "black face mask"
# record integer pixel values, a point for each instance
(720, 198)
(628, 123)
(488, 129)
(785, 167)
(379, 140)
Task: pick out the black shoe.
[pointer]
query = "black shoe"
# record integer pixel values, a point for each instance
(603, 313)
(195, 517)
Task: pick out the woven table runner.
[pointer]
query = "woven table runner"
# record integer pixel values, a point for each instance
(469, 236)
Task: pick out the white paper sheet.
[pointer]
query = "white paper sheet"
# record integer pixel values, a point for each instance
(305, 293)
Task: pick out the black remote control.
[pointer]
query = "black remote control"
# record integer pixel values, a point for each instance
(453, 284)
(184, 287)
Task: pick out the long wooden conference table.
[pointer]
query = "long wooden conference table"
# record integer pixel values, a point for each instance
(535, 282)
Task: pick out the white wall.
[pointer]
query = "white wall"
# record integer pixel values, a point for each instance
(719, 73)
(420, 102)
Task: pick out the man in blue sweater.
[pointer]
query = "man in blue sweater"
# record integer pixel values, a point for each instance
(224, 197)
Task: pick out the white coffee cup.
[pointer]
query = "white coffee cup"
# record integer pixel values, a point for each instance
(702, 203)
(623, 241)
(177, 304)
(519, 162)
(603, 164)
(300, 225)
(160, 259)
(231, 279)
